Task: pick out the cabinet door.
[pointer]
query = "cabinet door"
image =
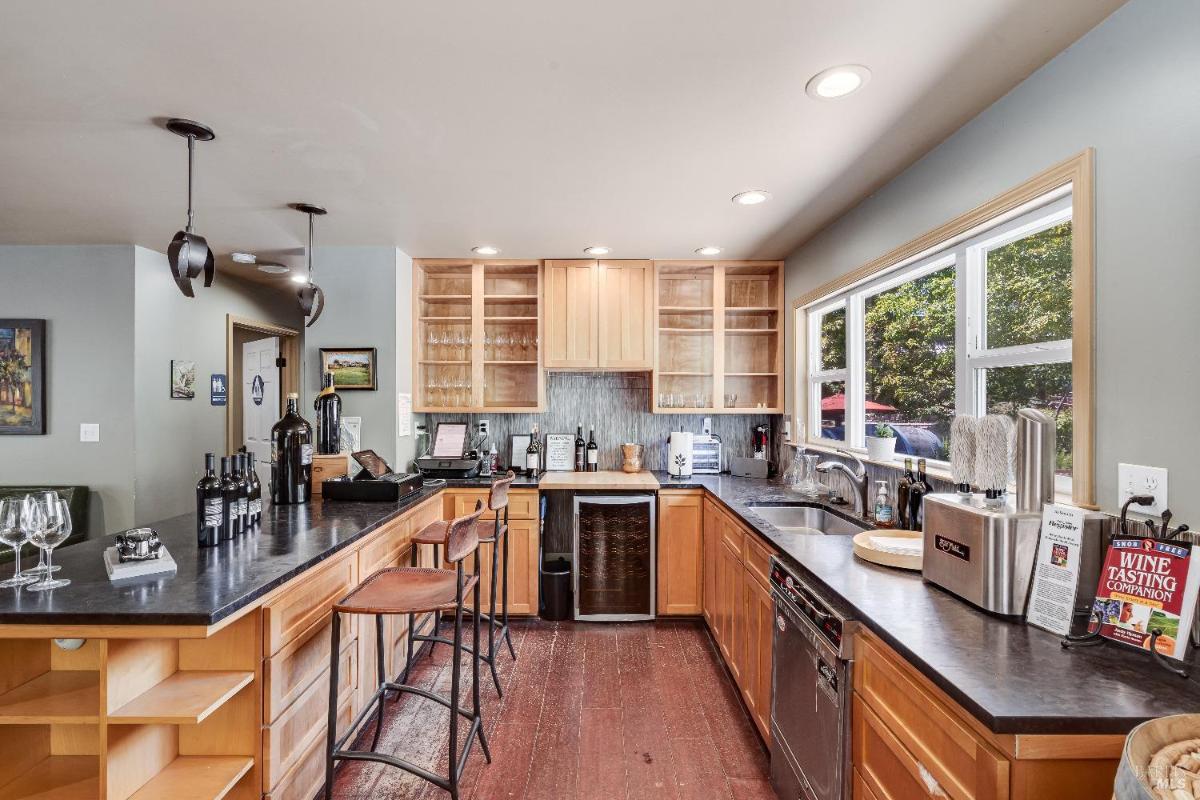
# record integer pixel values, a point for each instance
(571, 315)
(756, 668)
(712, 540)
(626, 314)
(730, 614)
(522, 570)
(680, 554)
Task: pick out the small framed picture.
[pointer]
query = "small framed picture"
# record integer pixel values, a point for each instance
(352, 367)
(520, 443)
(183, 380)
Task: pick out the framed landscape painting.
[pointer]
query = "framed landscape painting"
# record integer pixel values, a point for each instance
(22, 376)
(352, 367)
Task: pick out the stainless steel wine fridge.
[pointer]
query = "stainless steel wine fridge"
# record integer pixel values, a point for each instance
(614, 557)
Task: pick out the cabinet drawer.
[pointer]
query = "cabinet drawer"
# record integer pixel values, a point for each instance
(307, 775)
(930, 730)
(861, 791)
(290, 671)
(757, 558)
(886, 770)
(383, 548)
(286, 740)
(521, 505)
(732, 534)
(307, 600)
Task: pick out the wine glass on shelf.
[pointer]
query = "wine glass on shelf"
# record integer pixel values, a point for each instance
(525, 342)
(488, 342)
(54, 532)
(13, 535)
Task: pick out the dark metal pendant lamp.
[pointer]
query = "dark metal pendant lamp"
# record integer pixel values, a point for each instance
(312, 298)
(189, 253)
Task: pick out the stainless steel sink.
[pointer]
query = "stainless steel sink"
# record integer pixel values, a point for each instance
(807, 519)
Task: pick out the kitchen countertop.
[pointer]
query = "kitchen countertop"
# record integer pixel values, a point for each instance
(609, 480)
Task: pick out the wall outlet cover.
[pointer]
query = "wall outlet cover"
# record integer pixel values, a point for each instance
(1135, 479)
(89, 432)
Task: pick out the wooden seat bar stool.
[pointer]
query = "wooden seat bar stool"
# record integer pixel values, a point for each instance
(413, 590)
(495, 533)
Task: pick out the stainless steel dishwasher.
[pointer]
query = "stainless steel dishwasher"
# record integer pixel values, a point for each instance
(614, 557)
(810, 698)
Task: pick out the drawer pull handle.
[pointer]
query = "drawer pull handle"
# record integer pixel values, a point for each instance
(931, 785)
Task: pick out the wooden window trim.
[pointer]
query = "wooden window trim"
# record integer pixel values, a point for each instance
(1078, 171)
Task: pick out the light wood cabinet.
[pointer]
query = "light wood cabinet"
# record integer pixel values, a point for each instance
(599, 314)
(572, 314)
(680, 553)
(523, 532)
(712, 540)
(729, 605)
(759, 617)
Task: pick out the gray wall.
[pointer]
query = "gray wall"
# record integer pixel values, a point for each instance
(368, 304)
(1131, 89)
(85, 294)
(171, 436)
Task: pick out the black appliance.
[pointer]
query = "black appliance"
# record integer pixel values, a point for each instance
(375, 482)
(614, 557)
(450, 456)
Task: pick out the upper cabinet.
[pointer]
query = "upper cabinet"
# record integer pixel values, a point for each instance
(477, 338)
(599, 315)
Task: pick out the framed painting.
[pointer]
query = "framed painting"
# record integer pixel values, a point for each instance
(22, 376)
(352, 367)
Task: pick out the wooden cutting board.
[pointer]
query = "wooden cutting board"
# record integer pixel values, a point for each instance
(605, 479)
(864, 550)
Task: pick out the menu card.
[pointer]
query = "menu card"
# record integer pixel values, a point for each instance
(1146, 585)
(1056, 571)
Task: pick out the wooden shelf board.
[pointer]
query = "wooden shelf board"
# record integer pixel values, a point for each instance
(57, 778)
(504, 407)
(752, 309)
(460, 363)
(53, 697)
(445, 319)
(501, 299)
(691, 331)
(750, 331)
(685, 374)
(751, 374)
(509, 319)
(196, 778)
(511, 363)
(187, 697)
(685, 309)
(689, 410)
(442, 298)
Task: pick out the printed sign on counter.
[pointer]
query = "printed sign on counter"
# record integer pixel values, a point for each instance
(1056, 571)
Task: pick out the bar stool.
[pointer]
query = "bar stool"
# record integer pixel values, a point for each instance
(411, 590)
(497, 536)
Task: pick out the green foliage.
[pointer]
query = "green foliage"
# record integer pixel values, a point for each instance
(833, 340)
(884, 431)
(1029, 289)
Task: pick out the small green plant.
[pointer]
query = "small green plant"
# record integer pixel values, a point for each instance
(884, 431)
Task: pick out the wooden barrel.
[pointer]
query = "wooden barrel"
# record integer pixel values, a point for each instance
(1135, 780)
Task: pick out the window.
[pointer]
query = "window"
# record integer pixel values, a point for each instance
(981, 324)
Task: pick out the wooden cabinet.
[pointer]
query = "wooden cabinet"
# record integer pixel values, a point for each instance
(680, 553)
(712, 540)
(599, 314)
(523, 531)
(729, 604)
(758, 624)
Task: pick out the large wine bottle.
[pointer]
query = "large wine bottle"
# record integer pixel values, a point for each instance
(291, 456)
(328, 406)
(593, 452)
(580, 446)
(255, 492)
(209, 500)
(229, 501)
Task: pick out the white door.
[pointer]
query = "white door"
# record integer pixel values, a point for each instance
(260, 402)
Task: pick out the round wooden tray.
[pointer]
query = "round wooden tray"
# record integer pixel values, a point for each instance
(864, 550)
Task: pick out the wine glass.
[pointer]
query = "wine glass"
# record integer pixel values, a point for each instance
(57, 528)
(13, 535)
(525, 342)
(488, 341)
(49, 503)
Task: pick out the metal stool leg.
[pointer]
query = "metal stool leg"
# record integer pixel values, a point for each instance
(437, 615)
(331, 735)
(487, 753)
(380, 672)
(504, 607)
(491, 659)
(455, 679)
(412, 621)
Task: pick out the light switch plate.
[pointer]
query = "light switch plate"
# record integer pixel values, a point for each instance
(89, 432)
(1134, 479)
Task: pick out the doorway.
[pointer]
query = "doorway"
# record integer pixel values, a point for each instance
(262, 364)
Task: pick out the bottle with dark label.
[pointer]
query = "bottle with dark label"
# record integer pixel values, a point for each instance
(239, 475)
(903, 485)
(593, 452)
(916, 498)
(328, 406)
(229, 501)
(255, 491)
(533, 455)
(580, 448)
(209, 501)
(291, 457)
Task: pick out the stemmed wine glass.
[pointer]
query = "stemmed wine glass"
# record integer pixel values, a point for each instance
(54, 531)
(13, 535)
(48, 501)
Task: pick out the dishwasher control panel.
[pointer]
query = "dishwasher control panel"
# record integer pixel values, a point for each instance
(822, 616)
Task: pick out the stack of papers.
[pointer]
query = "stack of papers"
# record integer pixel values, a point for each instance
(898, 545)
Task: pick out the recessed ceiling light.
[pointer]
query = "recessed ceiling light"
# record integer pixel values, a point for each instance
(299, 277)
(838, 81)
(243, 258)
(710, 250)
(751, 198)
(486, 250)
(273, 269)
(597, 250)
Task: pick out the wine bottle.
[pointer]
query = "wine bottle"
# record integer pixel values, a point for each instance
(593, 452)
(229, 502)
(916, 498)
(902, 488)
(291, 456)
(255, 491)
(580, 447)
(533, 455)
(328, 406)
(239, 471)
(209, 499)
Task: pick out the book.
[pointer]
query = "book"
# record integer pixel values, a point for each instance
(1147, 585)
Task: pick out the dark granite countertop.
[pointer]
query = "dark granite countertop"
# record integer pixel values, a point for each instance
(1013, 677)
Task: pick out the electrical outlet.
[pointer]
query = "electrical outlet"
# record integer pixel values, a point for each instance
(707, 426)
(89, 432)
(484, 427)
(1134, 479)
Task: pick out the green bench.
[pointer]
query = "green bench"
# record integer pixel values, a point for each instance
(77, 501)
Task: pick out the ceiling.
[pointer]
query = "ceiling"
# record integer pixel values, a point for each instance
(538, 126)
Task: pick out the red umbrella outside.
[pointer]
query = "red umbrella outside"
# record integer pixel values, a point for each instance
(837, 402)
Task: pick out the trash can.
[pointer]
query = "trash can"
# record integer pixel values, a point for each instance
(555, 601)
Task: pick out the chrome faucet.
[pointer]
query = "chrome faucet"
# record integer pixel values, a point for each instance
(856, 476)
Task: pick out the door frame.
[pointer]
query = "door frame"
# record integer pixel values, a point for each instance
(289, 350)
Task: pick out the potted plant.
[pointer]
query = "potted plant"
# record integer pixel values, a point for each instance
(882, 446)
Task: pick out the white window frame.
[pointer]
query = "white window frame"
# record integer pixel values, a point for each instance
(967, 253)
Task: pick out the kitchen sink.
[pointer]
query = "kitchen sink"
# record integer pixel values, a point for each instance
(808, 519)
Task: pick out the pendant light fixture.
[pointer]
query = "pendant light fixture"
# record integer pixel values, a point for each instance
(189, 253)
(312, 299)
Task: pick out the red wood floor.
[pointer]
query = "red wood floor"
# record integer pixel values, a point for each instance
(596, 711)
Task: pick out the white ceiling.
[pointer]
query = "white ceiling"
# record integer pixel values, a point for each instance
(540, 126)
